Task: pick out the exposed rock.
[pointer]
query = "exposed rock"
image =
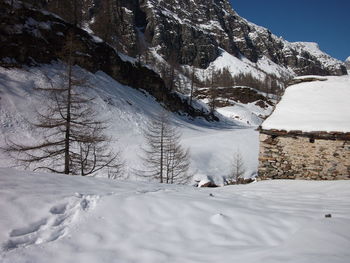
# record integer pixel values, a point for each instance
(196, 30)
(305, 79)
(347, 63)
(30, 36)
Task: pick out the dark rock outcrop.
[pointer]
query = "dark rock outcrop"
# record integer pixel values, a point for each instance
(30, 36)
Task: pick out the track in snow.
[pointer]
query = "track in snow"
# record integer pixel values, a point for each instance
(52, 227)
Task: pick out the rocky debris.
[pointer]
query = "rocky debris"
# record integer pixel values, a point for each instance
(305, 79)
(206, 182)
(30, 36)
(227, 96)
(241, 181)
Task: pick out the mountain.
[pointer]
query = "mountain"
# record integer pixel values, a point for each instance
(30, 36)
(347, 63)
(200, 32)
(245, 62)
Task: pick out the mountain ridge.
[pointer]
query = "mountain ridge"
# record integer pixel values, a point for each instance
(193, 32)
(197, 37)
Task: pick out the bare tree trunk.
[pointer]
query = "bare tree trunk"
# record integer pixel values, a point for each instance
(164, 157)
(192, 84)
(68, 117)
(73, 139)
(161, 152)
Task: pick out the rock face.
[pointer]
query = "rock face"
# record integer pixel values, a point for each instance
(347, 63)
(30, 36)
(196, 31)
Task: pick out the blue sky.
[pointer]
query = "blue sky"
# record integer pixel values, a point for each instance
(326, 22)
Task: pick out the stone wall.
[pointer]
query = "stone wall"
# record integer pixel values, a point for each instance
(297, 157)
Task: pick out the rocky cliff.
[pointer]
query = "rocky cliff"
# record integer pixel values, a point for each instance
(29, 36)
(196, 32)
(347, 63)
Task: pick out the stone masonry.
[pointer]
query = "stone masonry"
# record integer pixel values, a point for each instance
(300, 157)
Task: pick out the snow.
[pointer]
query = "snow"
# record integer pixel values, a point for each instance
(249, 114)
(242, 65)
(128, 111)
(93, 220)
(314, 50)
(314, 106)
(86, 27)
(348, 59)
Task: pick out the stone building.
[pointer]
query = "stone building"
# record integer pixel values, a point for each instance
(308, 134)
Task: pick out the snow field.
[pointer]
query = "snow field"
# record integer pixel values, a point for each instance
(270, 221)
(127, 111)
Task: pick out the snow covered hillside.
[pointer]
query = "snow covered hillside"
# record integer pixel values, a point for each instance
(212, 145)
(92, 220)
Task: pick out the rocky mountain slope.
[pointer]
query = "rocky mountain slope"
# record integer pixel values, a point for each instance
(198, 32)
(347, 63)
(30, 36)
(204, 36)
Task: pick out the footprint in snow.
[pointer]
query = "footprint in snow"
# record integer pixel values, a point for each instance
(53, 227)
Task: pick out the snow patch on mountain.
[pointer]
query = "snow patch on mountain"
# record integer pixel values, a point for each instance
(236, 66)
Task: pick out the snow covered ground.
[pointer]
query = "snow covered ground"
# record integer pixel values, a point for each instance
(314, 106)
(212, 145)
(248, 114)
(58, 218)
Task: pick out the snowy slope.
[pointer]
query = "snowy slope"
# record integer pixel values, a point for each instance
(92, 220)
(212, 145)
(260, 70)
(248, 114)
(314, 106)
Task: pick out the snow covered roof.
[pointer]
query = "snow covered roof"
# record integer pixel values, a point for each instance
(317, 106)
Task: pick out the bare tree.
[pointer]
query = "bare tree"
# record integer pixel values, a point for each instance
(237, 170)
(177, 162)
(70, 10)
(169, 72)
(94, 155)
(193, 75)
(213, 94)
(164, 157)
(74, 140)
(104, 22)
